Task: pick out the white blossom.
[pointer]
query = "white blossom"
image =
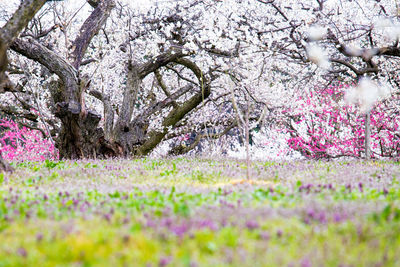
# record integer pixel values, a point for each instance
(390, 29)
(318, 56)
(366, 94)
(316, 33)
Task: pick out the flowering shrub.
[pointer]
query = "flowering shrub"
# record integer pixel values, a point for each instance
(20, 143)
(323, 126)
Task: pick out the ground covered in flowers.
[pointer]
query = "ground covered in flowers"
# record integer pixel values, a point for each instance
(195, 212)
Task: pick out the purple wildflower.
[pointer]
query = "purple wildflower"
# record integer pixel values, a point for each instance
(305, 263)
(22, 252)
(180, 230)
(279, 233)
(251, 225)
(164, 261)
(39, 237)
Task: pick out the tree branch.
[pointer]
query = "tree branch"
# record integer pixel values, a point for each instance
(90, 28)
(67, 73)
(183, 149)
(108, 111)
(150, 66)
(11, 111)
(178, 113)
(163, 104)
(25, 12)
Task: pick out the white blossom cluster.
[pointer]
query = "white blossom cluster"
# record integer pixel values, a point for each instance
(366, 94)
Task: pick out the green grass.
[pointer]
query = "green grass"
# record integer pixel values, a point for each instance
(200, 212)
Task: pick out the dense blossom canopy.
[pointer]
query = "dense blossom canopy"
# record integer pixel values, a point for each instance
(261, 58)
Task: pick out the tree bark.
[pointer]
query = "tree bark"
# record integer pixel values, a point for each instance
(21, 17)
(134, 138)
(126, 133)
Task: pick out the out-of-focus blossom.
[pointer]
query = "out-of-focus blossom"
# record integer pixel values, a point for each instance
(318, 56)
(390, 29)
(316, 33)
(366, 94)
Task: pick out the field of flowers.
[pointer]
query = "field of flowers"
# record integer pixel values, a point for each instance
(198, 212)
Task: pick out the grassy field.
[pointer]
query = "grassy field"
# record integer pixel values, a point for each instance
(197, 212)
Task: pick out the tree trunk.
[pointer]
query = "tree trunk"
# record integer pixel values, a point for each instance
(80, 136)
(126, 132)
(4, 166)
(368, 135)
(78, 133)
(247, 137)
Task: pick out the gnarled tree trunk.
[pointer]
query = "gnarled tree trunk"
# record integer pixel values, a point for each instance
(126, 132)
(79, 136)
(132, 133)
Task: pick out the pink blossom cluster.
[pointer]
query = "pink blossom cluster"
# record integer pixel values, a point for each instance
(23, 144)
(322, 126)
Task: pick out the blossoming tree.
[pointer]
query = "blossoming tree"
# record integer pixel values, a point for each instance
(362, 51)
(109, 78)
